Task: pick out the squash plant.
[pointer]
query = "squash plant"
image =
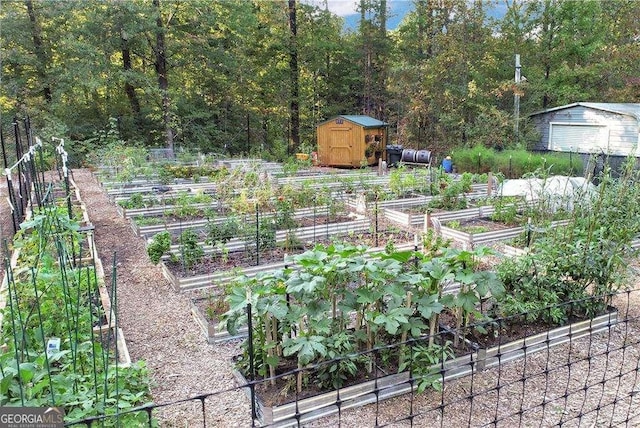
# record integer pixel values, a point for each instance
(339, 307)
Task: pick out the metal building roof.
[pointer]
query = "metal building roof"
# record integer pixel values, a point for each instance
(359, 119)
(629, 109)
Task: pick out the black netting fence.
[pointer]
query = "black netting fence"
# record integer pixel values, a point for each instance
(585, 373)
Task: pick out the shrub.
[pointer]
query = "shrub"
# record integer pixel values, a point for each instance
(516, 162)
(190, 250)
(223, 232)
(159, 245)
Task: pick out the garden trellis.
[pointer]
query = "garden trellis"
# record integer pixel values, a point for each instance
(27, 181)
(63, 346)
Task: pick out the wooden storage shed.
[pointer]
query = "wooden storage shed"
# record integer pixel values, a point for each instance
(590, 128)
(346, 140)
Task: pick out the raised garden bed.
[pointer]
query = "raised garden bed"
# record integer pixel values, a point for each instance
(214, 334)
(471, 239)
(176, 225)
(310, 233)
(222, 276)
(385, 387)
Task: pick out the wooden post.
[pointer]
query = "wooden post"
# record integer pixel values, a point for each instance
(489, 183)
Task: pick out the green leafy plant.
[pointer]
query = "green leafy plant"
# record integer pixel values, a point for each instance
(338, 303)
(424, 361)
(159, 246)
(191, 251)
(223, 232)
(266, 235)
(53, 297)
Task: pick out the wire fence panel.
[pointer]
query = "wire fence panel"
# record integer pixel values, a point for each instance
(587, 374)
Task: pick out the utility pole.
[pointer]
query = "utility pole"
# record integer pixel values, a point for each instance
(516, 98)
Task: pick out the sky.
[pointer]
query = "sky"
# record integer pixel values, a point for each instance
(347, 10)
(397, 10)
(339, 7)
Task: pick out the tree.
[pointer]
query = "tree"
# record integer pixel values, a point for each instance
(41, 51)
(160, 63)
(293, 75)
(375, 52)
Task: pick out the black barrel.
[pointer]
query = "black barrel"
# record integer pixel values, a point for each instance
(423, 156)
(409, 156)
(394, 154)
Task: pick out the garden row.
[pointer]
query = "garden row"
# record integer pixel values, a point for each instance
(335, 313)
(343, 323)
(63, 345)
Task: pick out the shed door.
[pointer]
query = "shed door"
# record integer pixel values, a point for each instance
(579, 138)
(340, 147)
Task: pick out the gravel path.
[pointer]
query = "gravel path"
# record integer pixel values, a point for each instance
(158, 325)
(160, 330)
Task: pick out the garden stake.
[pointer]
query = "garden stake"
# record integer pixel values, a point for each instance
(182, 260)
(9, 184)
(299, 371)
(16, 131)
(37, 184)
(44, 341)
(28, 177)
(42, 163)
(270, 329)
(11, 283)
(376, 390)
(10, 280)
(67, 303)
(252, 387)
(403, 337)
(114, 307)
(329, 210)
(67, 190)
(12, 201)
(257, 236)
(375, 213)
(93, 339)
(411, 381)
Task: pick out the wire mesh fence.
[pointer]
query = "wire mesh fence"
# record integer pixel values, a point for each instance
(586, 374)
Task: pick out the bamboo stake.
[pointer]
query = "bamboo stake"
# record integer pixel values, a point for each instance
(299, 375)
(403, 337)
(269, 345)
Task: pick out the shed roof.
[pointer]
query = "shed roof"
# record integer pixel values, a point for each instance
(629, 109)
(359, 119)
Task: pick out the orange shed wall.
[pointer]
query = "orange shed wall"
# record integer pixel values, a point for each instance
(343, 144)
(341, 153)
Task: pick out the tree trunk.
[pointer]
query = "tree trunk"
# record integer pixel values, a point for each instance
(294, 76)
(161, 71)
(39, 49)
(127, 67)
(381, 62)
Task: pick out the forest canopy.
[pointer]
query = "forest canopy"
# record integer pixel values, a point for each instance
(257, 76)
